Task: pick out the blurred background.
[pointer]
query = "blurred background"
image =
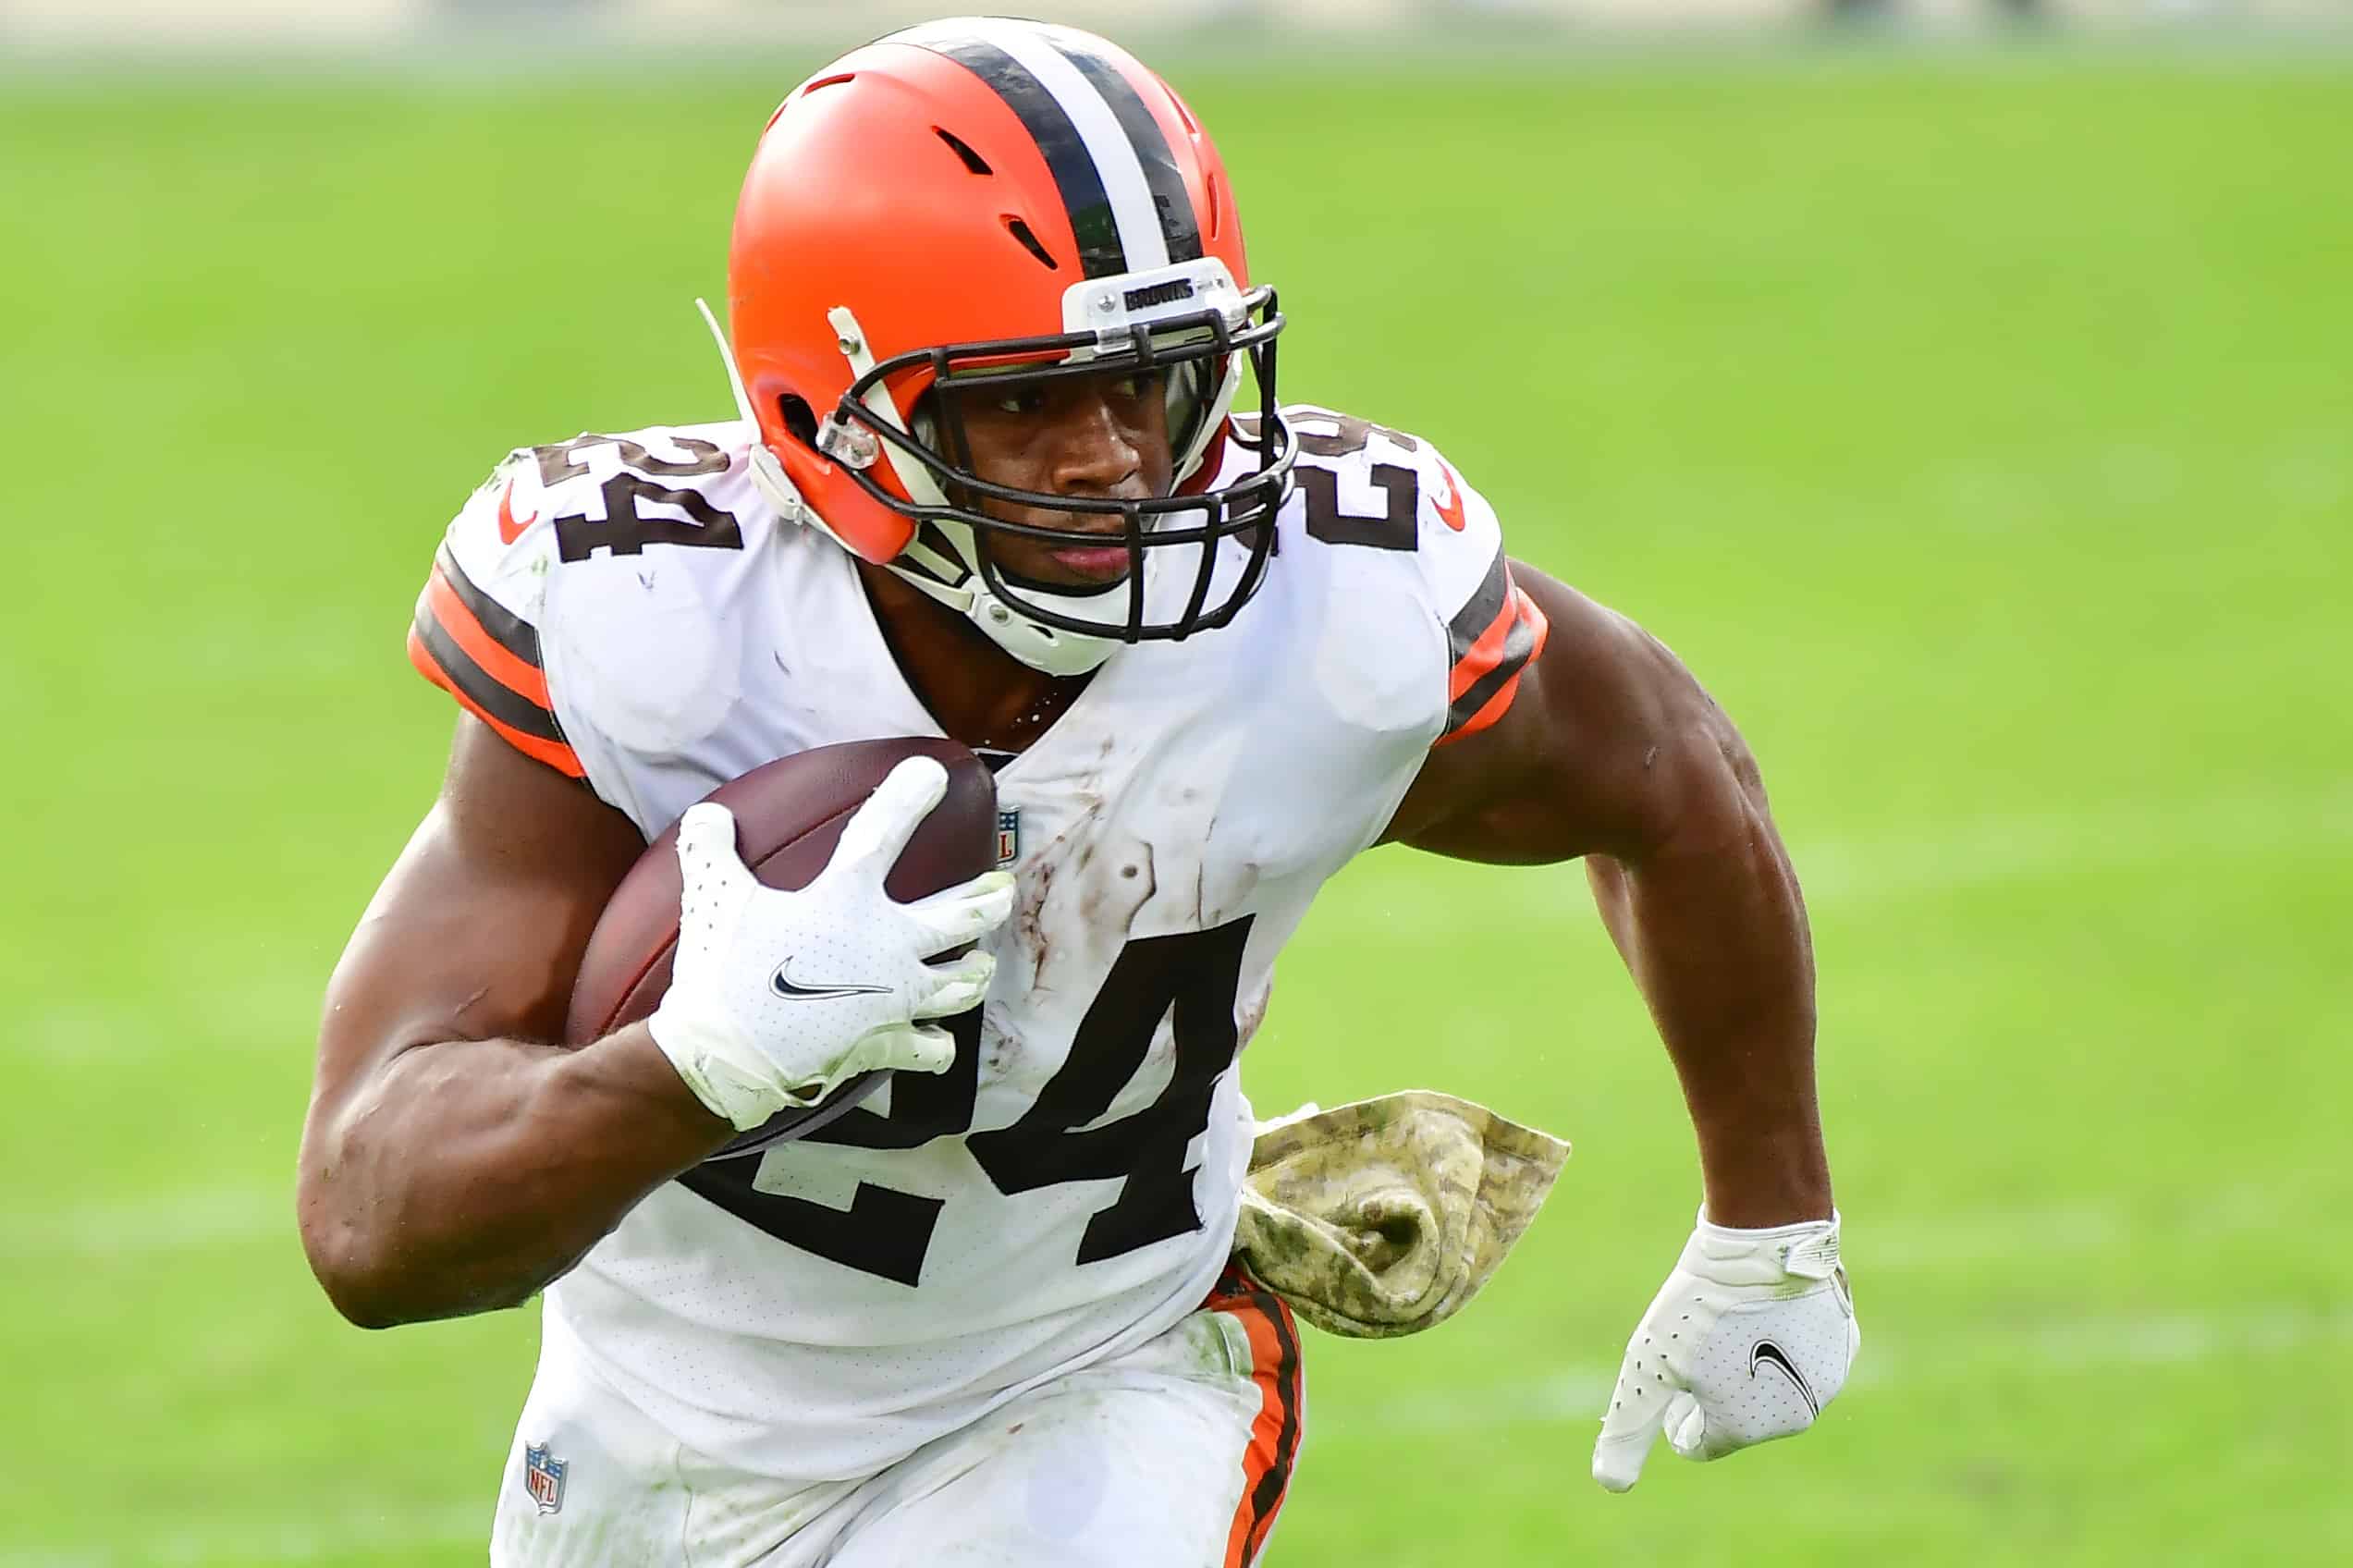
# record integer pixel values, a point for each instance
(165, 26)
(1961, 387)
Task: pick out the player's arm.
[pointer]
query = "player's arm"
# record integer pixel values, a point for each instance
(453, 1160)
(1610, 750)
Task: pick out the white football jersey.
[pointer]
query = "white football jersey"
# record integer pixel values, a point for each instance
(629, 611)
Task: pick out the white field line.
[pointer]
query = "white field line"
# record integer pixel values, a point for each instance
(180, 1223)
(1998, 849)
(261, 1017)
(364, 1528)
(1574, 1395)
(1835, 873)
(233, 1217)
(1568, 1396)
(1976, 1241)
(1862, 873)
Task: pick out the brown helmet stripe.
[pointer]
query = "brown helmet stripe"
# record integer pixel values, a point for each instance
(1093, 223)
(1180, 226)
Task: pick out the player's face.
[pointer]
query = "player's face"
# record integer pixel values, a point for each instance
(1091, 435)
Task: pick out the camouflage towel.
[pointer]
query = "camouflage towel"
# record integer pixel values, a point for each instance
(1384, 1217)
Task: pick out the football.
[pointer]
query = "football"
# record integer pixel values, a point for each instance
(789, 815)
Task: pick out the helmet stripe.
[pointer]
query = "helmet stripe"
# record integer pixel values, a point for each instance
(1180, 227)
(1118, 209)
(1093, 223)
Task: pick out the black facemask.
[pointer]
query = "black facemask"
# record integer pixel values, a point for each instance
(1191, 352)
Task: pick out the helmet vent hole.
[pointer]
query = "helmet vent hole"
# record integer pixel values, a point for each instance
(828, 81)
(973, 160)
(1020, 231)
(1217, 201)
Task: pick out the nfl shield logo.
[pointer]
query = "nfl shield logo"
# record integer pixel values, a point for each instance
(1009, 837)
(544, 1479)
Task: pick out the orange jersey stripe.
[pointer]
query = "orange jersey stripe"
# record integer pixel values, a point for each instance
(526, 681)
(1520, 620)
(1486, 652)
(555, 753)
(1495, 708)
(1274, 1436)
(1533, 613)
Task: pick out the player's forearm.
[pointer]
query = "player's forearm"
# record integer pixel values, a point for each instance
(473, 1172)
(1712, 927)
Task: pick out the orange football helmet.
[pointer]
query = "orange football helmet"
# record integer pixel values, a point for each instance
(976, 203)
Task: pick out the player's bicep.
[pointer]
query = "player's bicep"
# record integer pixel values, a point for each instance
(477, 932)
(1587, 756)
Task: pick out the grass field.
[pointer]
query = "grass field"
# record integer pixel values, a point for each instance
(1982, 431)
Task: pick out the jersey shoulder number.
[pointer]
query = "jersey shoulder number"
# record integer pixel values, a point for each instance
(1366, 486)
(477, 631)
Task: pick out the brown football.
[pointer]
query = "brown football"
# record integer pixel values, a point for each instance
(789, 815)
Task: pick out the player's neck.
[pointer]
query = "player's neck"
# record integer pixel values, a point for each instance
(977, 693)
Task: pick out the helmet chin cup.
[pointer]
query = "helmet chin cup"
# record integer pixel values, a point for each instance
(1040, 647)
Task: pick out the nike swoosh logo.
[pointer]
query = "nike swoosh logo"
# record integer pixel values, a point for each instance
(1769, 1354)
(508, 528)
(1449, 510)
(782, 983)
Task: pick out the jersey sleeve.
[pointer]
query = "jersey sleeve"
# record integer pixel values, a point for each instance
(476, 633)
(1494, 629)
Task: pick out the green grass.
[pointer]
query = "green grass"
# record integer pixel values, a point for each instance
(1979, 431)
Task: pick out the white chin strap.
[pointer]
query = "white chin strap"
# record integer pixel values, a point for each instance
(954, 580)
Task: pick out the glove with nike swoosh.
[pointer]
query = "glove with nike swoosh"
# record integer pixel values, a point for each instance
(1751, 1335)
(776, 996)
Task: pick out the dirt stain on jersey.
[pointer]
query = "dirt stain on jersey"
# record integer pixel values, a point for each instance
(1114, 900)
(1029, 913)
(999, 1048)
(1252, 1013)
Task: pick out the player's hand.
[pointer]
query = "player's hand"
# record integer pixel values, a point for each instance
(1750, 1337)
(776, 996)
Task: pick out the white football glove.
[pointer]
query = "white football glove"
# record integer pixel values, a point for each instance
(776, 996)
(1751, 1335)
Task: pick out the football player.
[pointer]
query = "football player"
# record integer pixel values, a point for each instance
(989, 315)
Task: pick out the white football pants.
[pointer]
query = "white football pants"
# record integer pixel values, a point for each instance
(1174, 1455)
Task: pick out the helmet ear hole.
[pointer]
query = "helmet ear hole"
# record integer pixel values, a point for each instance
(800, 419)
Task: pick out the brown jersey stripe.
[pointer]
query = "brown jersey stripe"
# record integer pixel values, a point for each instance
(1494, 708)
(1495, 673)
(1477, 617)
(506, 628)
(441, 605)
(1511, 651)
(470, 680)
(1481, 657)
(555, 753)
